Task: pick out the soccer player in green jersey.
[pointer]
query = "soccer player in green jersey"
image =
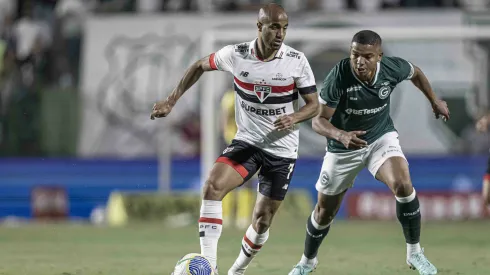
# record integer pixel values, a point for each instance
(355, 118)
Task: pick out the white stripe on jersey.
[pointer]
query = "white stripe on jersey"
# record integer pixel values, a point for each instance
(264, 92)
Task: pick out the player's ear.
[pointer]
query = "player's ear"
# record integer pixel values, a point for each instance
(259, 26)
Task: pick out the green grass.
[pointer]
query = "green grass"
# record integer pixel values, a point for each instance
(351, 248)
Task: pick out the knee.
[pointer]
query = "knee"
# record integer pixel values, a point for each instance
(401, 187)
(214, 189)
(323, 215)
(262, 221)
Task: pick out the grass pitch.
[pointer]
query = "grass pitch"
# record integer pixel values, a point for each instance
(351, 248)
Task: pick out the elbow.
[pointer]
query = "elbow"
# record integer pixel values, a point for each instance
(315, 124)
(198, 66)
(316, 108)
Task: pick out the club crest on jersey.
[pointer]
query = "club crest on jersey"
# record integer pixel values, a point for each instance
(384, 92)
(262, 92)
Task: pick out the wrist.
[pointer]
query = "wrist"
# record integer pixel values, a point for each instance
(294, 118)
(339, 135)
(171, 101)
(433, 101)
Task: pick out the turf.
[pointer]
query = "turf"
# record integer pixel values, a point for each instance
(351, 248)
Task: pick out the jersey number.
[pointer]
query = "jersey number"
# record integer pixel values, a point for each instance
(291, 167)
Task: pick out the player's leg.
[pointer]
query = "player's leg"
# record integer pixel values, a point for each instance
(486, 185)
(318, 226)
(388, 164)
(230, 170)
(244, 203)
(228, 204)
(337, 176)
(274, 178)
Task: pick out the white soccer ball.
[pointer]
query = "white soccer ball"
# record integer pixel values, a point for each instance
(193, 264)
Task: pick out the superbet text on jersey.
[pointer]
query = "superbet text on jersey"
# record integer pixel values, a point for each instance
(264, 92)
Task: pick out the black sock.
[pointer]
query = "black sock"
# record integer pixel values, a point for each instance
(408, 214)
(314, 238)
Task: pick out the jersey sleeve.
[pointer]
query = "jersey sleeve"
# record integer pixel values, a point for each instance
(305, 82)
(403, 69)
(222, 60)
(331, 92)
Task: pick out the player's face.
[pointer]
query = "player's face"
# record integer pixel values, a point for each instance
(274, 32)
(364, 59)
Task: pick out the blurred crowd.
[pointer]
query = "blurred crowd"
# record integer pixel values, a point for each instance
(41, 41)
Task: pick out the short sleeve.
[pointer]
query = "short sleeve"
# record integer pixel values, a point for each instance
(305, 82)
(403, 70)
(222, 60)
(331, 92)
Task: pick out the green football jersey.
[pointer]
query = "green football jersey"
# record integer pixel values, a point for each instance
(360, 106)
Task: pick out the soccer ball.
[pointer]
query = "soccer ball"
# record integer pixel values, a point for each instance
(193, 264)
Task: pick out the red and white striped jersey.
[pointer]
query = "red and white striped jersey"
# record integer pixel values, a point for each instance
(264, 92)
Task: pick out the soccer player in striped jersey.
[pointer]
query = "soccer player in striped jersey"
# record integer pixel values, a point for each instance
(482, 126)
(269, 76)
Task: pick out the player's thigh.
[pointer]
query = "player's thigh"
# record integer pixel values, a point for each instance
(275, 176)
(237, 164)
(387, 163)
(339, 171)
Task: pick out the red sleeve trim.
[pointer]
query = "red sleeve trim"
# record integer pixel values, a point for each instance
(212, 63)
(486, 177)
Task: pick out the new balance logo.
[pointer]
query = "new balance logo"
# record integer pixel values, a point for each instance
(285, 187)
(244, 74)
(227, 150)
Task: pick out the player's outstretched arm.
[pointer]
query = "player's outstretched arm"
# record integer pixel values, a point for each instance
(191, 76)
(438, 106)
(321, 124)
(309, 110)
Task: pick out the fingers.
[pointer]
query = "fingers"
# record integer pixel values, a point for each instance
(359, 133)
(358, 143)
(158, 114)
(283, 123)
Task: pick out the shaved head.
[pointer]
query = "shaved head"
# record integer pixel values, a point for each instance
(272, 24)
(272, 13)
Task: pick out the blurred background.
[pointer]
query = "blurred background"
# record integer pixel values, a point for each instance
(78, 79)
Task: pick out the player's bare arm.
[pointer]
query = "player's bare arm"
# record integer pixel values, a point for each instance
(191, 76)
(438, 106)
(309, 110)
(321, 125)
(482, 123)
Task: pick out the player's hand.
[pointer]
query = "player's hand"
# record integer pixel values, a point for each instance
(161, 109)
(482, 124)
(284, 122)
(440, 109)
(351, 140)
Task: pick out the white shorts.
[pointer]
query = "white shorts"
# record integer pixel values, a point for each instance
(339, 170)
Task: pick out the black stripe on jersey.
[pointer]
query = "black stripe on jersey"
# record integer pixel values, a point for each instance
(269, 100)
(307, 90)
